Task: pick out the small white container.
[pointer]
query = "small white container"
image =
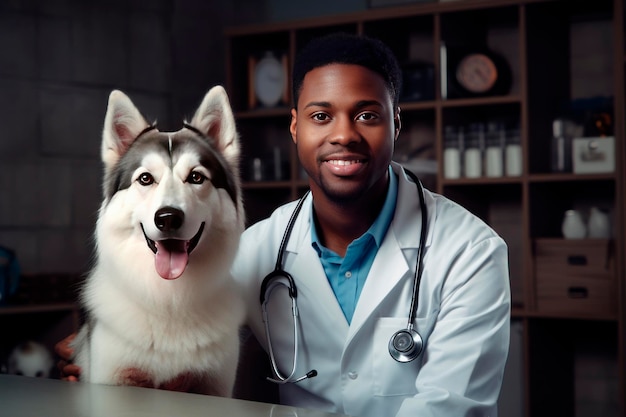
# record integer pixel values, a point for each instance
(599, 224)
(513, 160)
(452, 163)
(573, 226)
(513, 153)
(472, 163)
(494, 162)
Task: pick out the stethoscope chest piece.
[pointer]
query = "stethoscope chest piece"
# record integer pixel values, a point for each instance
(405, 345)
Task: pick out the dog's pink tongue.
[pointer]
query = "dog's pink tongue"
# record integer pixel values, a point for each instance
(171, 258)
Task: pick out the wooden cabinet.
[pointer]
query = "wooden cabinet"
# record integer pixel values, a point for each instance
(575, 277)
(565, 60)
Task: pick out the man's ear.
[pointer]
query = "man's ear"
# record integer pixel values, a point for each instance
(293, 125)
(397, 124)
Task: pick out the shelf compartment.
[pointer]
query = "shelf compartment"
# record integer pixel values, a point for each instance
(491, 31)
(241, 49)
(549, 200)
(269, 159)
(570, 70)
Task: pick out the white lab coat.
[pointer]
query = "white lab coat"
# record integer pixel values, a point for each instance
(463, 314)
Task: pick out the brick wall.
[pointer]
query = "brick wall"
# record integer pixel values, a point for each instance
(59, 60)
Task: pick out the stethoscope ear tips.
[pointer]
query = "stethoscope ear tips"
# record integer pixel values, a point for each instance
(405, 345)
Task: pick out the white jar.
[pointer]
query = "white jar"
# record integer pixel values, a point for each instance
(451, 163)
(513, 153)
(473, 163)
(573, 226)
(599, 224)
(513, 160)
(493, 162)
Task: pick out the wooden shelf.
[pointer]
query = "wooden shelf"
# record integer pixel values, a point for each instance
(257, 185)
(482, 181)
(263, 113)
(566, 177)
(481, 101)
(37, 308)
(521, 313)
(418, 105)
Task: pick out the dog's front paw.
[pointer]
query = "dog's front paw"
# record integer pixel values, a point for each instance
(193, 382)
(185, 382)
(135, 377)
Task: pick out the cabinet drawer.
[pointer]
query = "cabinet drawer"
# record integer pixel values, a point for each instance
(585, 257)
(575, 277)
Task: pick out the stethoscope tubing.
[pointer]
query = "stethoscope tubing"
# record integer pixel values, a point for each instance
(268, 285)
(280, 378)
(420, 251)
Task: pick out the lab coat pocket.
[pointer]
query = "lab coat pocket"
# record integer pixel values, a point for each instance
(390, 376)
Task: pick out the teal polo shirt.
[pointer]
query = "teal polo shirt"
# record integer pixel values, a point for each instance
(347, 275)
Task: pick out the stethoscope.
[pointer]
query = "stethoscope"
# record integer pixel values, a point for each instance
(404, 346)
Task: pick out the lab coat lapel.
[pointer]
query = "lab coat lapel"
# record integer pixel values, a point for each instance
(394, 258)
(388, 268)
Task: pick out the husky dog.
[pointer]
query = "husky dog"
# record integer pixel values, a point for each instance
(160, 300)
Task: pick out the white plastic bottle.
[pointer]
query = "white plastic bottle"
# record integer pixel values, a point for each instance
(573, 226)
(513, 154)
(473, 155)
(451, 154)
(494, 158)
(599, 224)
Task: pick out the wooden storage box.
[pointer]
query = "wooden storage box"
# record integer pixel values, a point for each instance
(575, 277)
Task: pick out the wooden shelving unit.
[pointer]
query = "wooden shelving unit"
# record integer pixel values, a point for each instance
(535, 37)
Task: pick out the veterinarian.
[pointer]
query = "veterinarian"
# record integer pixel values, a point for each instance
(352, 254)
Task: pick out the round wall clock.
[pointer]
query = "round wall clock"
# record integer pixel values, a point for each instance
(478, 72)
(270, 80)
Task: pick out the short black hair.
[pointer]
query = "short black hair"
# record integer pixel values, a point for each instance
(346, 48)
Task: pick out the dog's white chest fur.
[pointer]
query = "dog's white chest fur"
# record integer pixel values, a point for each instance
(198, 339)
(160, 299)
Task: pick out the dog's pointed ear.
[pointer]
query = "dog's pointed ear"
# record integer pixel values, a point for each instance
(122, 124)
(215, 119)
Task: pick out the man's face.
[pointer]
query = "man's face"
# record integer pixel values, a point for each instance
(344, 129)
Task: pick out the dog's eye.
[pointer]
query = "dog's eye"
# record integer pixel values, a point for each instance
(195, 178)
(145, 179)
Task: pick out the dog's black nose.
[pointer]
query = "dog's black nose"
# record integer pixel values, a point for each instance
(168, 219)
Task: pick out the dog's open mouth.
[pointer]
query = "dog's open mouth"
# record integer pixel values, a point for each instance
(172, 255)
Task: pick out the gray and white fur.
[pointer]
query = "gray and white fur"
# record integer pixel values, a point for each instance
(160, 299)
